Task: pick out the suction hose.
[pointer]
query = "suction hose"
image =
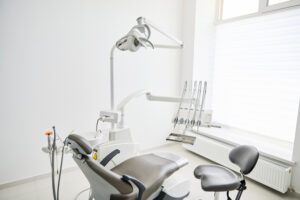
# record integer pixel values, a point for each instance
(52, 164)
(61, 164)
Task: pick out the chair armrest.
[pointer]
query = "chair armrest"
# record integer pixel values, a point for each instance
(109, 157)
(138, 183)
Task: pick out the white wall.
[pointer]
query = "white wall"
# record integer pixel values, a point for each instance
(199, 37)
(189, 25)
(54, 70)
(296, 157)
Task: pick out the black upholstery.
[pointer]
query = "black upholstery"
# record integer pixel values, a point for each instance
(216, 178)
(245, 157)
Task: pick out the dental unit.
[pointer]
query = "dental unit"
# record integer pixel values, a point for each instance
(111, 161)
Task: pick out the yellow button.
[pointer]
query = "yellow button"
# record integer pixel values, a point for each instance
(95, 156)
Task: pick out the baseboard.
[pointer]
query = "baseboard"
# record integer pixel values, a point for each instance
(33, 178)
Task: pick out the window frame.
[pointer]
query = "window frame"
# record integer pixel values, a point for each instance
(263, 8)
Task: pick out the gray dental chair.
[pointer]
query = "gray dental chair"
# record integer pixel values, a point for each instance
(138, 178)
(215, 178)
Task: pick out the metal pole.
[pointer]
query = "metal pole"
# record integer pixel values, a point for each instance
(239, 194)
(216, 196)
(112, 96)
(112, 89)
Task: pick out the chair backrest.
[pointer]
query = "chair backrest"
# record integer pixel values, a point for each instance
(79, 144)
(103, 181)
(245, 157)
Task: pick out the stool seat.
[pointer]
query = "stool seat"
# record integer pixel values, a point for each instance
(216, 178)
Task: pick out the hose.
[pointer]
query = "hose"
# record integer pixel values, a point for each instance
(52, 164)
(76, 197)
(61, 164)
(97, 123)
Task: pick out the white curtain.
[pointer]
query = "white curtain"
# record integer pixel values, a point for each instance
(256, 85)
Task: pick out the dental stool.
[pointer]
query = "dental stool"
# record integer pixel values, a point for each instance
(215, 178)
(138, 178)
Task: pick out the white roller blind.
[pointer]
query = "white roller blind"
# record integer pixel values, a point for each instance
(256, 85)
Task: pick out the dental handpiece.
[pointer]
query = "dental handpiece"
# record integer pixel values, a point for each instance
(187, 120)
(202, 105)
(180, 104)
(192, 123)
(182, 118)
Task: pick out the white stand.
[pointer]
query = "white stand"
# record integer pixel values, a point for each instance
(118, 139)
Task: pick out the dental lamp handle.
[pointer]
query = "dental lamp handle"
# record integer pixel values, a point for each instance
(142, 20)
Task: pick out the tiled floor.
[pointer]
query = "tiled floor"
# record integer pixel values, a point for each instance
(73, 182)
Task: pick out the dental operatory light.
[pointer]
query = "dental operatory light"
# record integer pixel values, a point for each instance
(138, 36)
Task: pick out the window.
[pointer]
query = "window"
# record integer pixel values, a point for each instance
(235, 9)
(272, 2)
(256, 84)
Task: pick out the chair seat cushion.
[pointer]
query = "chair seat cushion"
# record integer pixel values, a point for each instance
(216, 178)
(151, 169)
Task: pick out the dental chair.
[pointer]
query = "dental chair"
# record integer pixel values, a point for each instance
(138, 178)
(215, 178)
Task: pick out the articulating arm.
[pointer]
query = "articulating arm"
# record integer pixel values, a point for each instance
(150, 97)
(179, 43)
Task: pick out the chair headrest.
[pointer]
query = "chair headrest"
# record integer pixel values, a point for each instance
(245, 157)
(80, 144)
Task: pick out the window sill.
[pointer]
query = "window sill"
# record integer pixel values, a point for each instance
(274, 149)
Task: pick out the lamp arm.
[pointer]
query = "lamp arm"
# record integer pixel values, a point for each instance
(112, 90)
(125, 101)
(151, 97)
(167, 46)
(142, 20)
